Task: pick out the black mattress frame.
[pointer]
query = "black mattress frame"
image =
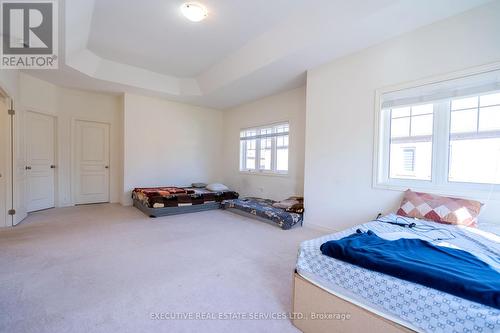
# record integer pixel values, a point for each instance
(167, 211)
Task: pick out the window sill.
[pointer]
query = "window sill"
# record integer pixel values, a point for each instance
(268, 174)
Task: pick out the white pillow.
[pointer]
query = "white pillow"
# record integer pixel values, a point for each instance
(216, 187)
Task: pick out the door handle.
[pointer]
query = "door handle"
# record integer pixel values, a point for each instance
(27, 167)
(107, 166)
(52, 166)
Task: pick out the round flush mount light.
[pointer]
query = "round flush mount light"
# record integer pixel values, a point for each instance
(194, 11)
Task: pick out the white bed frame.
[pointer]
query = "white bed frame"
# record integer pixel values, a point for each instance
(309, 298)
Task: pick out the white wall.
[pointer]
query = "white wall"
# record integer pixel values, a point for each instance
(67, 105)
(287, 106)
(169, 143)
(9, 81)
(340, 112)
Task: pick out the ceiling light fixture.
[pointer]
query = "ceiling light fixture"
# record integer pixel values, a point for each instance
(194, 11)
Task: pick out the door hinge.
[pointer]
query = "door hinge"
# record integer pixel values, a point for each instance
(11, 112)
(11, 212)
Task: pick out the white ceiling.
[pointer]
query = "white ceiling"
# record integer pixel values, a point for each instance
(244, 50)
(157, 37)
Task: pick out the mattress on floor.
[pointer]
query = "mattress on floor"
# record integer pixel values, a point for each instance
(263, 208)
(415, 306)
(163, 197)
(167, 211)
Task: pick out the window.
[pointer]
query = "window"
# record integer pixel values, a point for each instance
(441, 137)
(265, 149)
(475, 140)
(411, 136)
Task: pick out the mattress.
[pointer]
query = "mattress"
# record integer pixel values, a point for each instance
(163, 197)
(412, 305)
(263, 208)
(167, 211)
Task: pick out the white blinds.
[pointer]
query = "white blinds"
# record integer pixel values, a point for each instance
(464, 86)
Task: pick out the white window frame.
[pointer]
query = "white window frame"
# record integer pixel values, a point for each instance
(439, 183)
(273, 171)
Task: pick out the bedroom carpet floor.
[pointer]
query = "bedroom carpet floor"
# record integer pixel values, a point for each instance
(108, 268)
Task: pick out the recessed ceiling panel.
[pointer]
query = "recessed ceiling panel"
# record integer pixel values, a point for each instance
(154, 35)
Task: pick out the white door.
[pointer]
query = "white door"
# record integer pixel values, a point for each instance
(91, 149)
(3, 162)
(40, 157)
(20, 172)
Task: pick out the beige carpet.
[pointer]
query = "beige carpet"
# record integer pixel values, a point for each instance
(107, 268)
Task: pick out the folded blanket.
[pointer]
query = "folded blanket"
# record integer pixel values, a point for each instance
(149, 192)
(450, 270)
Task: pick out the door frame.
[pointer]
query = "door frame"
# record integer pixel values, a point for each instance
(6, 172)
(73, 168)
(56, 152)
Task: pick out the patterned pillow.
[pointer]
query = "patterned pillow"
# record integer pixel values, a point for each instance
(440, 209)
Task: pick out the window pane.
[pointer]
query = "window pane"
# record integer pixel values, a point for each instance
(250, 163)
(281, 128)
(411, 162)
(400, 112)
(282, 141)
(282, 159)
(251, 154)
(489, 118)
(242, 154)
(400, 127)
(267, 143)
(265, 154)
(421, 125)
(265, 131)
(475, 160)
(422, 109)
(488, 100)
(464, 103)
(463, 121)
(265, 159)
(251, 132)
(411, 144)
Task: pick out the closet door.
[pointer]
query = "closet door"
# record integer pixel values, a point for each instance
(19, 167)
(40, 157)
(91, 174)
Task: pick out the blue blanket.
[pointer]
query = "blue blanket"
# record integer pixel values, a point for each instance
(450, 270)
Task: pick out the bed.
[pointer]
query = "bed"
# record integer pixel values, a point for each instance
(164, 201)
(381, 303)
(263, 209)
